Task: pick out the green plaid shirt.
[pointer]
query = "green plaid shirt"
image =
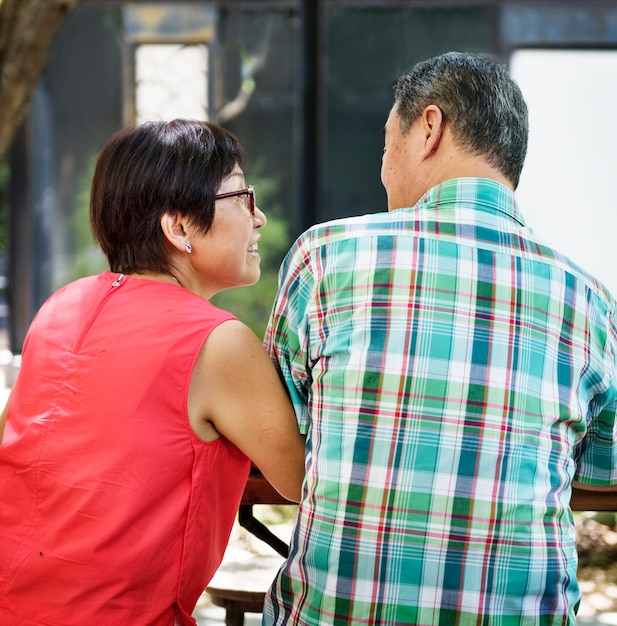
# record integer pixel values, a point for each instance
(453, 375)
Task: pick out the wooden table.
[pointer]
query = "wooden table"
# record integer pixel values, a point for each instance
(259, 491)
(583, 500)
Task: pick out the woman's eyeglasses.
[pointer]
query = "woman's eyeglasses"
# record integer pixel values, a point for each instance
(247, 194)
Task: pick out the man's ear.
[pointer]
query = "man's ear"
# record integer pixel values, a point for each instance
(432, 124)
(174, 230)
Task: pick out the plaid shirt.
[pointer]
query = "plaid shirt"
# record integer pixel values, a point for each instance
(453, 375)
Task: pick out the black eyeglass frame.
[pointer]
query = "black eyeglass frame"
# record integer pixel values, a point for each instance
(249, 192)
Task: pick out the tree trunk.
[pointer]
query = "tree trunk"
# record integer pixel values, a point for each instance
(27, 32)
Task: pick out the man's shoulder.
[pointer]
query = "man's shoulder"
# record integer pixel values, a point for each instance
(346, 228)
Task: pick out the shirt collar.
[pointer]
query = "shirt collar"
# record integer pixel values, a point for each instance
(482, 194)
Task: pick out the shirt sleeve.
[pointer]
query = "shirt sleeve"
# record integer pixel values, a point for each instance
(287, 334)
(597, 463)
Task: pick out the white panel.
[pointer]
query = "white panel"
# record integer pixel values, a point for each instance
(171, 81)
(567, 188)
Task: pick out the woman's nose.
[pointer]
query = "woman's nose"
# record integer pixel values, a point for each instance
(259, 218)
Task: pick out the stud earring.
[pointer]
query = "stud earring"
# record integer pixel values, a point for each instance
(188, 248)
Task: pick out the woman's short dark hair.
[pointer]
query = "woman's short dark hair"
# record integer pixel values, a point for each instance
(482, 104)
(142, 173)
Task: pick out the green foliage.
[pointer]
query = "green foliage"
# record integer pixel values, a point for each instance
(270, 514)
(86, 256)
(596, 538)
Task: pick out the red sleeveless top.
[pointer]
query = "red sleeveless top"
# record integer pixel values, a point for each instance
(112, 511)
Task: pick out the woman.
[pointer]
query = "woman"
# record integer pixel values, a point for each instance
(138, 407)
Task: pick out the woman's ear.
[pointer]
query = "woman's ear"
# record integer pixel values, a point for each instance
(174, 231)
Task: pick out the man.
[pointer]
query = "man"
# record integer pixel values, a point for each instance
(454, 376)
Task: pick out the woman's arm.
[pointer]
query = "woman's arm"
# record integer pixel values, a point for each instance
(236, 389)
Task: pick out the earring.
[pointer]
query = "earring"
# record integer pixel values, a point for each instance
(188, 248)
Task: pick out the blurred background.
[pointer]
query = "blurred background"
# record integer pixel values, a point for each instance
(307, 86)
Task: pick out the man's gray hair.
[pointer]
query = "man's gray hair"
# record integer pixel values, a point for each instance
(479, 100)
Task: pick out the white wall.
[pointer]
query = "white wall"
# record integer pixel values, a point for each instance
(566, 192)
(171, 80)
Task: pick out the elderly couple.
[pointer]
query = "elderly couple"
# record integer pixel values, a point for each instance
(435, 380)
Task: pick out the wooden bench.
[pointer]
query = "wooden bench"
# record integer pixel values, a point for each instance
(237, 602)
